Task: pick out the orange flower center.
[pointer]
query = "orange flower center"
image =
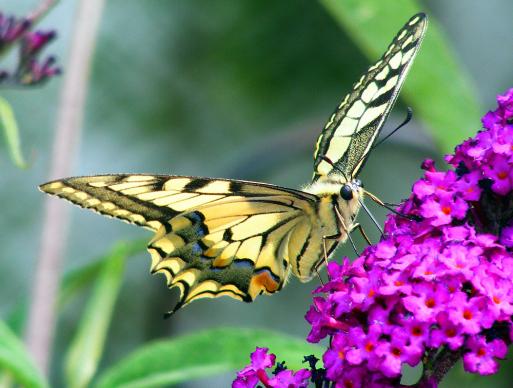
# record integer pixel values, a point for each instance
(446, 210)
(430, 303)
(467, 314)
(502, 175)
(369, 346)
(481, 352)
(398, 283)
(341, 355)
(348, 384)
(371, 292)
(450, 333)
(496, 299)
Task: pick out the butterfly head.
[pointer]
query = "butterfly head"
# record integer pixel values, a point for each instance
(337, 186)
(349, 190)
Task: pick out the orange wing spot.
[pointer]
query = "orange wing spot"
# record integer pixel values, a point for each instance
(263, 281)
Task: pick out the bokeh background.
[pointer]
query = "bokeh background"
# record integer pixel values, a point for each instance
(236, 89)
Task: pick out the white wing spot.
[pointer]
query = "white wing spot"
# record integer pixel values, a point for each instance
(382, 74)
(369, 92)
(396, 60)
(356, 109)
(370, 115)
(345, 128)
(414, 21)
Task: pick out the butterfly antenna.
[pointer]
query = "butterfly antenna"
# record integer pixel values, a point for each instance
(386, 205)
(371, 216)
(408, 118)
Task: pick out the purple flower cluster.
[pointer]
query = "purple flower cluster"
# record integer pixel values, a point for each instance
(256, 373)
(30, 70)
(439, 284)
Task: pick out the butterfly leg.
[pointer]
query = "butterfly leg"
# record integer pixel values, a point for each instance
(324, 238)
(362, 231)
(346, 230)
(325, 248)
(319, 276)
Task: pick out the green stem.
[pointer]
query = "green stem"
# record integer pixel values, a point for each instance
(41, 322)
(439, 365)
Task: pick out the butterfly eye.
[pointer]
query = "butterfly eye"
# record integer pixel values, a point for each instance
(346, 192)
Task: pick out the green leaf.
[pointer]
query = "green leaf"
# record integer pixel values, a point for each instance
(11, 132)
(437, 88)
(202, 354)
(76, 280)
(15, 360)
(86, 349)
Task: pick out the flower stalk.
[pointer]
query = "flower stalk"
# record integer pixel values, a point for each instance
(42, 320)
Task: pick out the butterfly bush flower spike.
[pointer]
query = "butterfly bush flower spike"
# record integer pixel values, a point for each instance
(438, 287)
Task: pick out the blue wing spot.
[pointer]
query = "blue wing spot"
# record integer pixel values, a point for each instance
(196, 249)
(243, 264)
(201, 230)
(195, 217)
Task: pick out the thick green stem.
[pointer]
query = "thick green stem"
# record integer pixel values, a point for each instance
(439, 365)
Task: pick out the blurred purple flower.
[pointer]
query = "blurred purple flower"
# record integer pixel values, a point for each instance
(31, 69)
(11, 29)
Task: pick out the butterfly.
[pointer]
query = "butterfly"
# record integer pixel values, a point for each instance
(215, 237)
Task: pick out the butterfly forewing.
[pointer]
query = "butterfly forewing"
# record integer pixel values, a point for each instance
(213, 237)
(354, 126)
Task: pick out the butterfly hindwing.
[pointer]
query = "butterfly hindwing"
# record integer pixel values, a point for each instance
(354, 126)
(213, 237)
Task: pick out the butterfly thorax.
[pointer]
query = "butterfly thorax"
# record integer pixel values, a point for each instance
(339, 203)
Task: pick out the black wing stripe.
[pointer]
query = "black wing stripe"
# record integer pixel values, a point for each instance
(134, 205)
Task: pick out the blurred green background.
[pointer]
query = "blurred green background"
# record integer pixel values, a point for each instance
(236, 89)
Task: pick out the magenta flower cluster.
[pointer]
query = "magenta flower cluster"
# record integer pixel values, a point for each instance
(439, 284)
(437, 288)
(256, 373)
(30, 70)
